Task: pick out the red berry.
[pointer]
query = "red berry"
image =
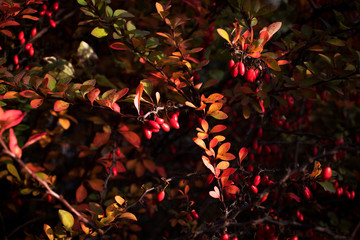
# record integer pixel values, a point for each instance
(250, 75)
(42, 13)
(28, 46)
(194, 214)
(326, 173)
(234, 72)
(260, 132)
(114, 171)
(33, 32)
(153, 125)
(159, 120)
(339, 191)
(31, 51)
(174, 123)
(225, 236)
(257, 180)
(22, 41)
(148, 133)
(234, 238)
(165, 127)
(254, 189)
(56, 6)
(21, 35)
(44, 6)
(231, 65)
(49, 198)
(242, 68)
(52, 23)
(48, 13)
(294, 238)
(263, 199)
(161, 196)
(16, 59)
(307, 193)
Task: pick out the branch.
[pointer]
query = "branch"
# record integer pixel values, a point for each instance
(49, 190)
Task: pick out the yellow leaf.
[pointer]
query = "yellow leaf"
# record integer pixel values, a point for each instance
(223, 34)
(65, 123)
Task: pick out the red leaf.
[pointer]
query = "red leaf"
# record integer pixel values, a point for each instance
(101, 139)
(242, 154)
(14, 148)
(29, 94)
(81, 194)
(218, 128)
(33, 139)
(228, 172)
(119, 46)
(93, 94)
(61, 105)
(130, 136)
(10, 118)
(139, 91)
(232, 189)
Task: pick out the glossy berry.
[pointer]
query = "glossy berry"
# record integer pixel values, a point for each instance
(250, 75)
(234, 238)
(148, 133)
(28, 46)
(225, 236)
(306, 193)
(153, 125)
(174, 123)
(165, 127)
(254, 189)
(21, 35)
(161, 196)
(31, 51)
(326, 173)
(33, 32)
(56, 6)
(234, 72)
(114, 171)
(16, 59)
(231, 65)
(194, 214)
(241, 68)
(257, 180)
(159, 120)
(52, 23)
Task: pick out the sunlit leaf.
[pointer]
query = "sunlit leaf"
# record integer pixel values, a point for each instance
(139, 91)
(242, 154)
(223, 165)
(128, 215)
(66, 218)
(223, 34)
(61, 105)
(215, 193)
(48, 231)
(99, 32)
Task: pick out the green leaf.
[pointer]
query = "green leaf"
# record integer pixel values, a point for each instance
(336, 42)
(152, 42)
(120, 13)
(328, 186)
(109, 11)
(66, 218)
(12, 169)
(99, 32)
(82, 2)
(148, 87)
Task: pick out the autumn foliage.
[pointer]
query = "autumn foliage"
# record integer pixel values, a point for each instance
(182, 119)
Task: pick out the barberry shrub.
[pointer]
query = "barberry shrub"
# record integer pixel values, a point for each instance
(186, 119)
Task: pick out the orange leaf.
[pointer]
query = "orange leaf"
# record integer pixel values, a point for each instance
(13, 146)
(220, 115)
(228, 172)
(35, 103)
(81, 193)
(242, 154)
(218, 128)
(139, 91)
(129, 216)
(207, 163)
(224, 148)
(29, 94)
(200, 143)
(214, 108)
(130, 136)
(205, 125)
(213, 142)
(61, 105)
(232, 189)
(226, 157)
(223, 165)
(96, 184)
(11, 95)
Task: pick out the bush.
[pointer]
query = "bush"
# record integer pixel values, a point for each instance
(186, 119)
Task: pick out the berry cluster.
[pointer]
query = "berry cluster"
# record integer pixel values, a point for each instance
(151, 126)
(239, 68)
